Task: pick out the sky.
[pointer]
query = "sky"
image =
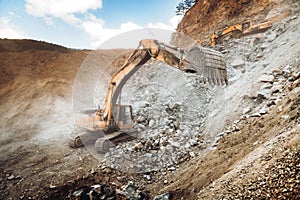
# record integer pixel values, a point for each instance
(83, 24)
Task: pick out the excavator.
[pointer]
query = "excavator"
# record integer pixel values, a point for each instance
(113, 123)
(243, 29)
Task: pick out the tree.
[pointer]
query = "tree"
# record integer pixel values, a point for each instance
(184, 6)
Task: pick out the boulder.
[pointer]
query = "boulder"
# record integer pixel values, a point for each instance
(266, 86)
(238, 62)
(138, 146)
(267, 78)
(276, 88)
(165, 196)
(151, 123)
(271, 36)
(263, 94)
(263, 111)
(277, 71)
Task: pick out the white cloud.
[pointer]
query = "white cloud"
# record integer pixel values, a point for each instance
(129, 26)
(95, 28)
(49, 21)
(67, 10)
(175, 20)
(172, 25)
(99, 34)
(63, 9)
(13, 14)
(8, 30)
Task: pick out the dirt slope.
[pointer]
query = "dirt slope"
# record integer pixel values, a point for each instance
(37, 81)
(36, 88)
(25, 45)
(34, 80)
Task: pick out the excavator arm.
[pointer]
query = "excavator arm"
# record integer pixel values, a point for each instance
(118, 80)
(150, 49)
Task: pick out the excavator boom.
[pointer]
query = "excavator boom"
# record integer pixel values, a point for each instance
(211, 60)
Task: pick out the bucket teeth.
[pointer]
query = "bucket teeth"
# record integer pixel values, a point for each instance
(209, 63)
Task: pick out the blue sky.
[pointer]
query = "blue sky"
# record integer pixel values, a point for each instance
(82, 23)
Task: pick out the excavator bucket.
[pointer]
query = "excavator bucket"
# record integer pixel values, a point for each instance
(208, 63)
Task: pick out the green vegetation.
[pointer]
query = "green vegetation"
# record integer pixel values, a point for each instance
(184, 6)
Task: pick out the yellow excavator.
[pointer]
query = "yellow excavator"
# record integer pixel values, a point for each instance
(114, 122)
(243, 29)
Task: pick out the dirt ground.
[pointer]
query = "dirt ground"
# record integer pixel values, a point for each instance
(256, 156)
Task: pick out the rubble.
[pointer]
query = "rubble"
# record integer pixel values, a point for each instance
(169, 125)
(271, 86)
(247, 110)
(169, 150)
(267, 78)
(165, 196)
(107, 192)
(238, 62)
(279, 181)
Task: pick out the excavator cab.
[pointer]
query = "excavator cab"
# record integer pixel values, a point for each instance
(123, 116)
(92, 123)
(246, 25)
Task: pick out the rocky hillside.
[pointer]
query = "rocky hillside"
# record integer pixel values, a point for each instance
(254, 154)
(206, 17)
(7, 45)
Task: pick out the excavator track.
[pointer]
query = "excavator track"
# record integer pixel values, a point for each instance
(103, 144)
(87, 138)
(75, 142)
(101, 141)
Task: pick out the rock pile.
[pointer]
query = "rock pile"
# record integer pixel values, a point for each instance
(279, 181)
(273, 87)
(107, 192)
(99, 191)
(248, 52)
(247, 55)
(170, 116)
